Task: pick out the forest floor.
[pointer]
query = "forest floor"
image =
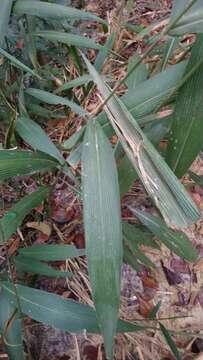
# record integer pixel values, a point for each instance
(178, 285)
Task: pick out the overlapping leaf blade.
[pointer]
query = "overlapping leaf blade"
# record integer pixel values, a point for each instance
(16, 163)
(167, 192)
(35, 136)
(12, 333)
(103, 234)
(187, 128)
(52, 99)
(191, 22)
(68, 39)
(14, 217)
(138, 75)
(51, 252)
(54, 310)
(170, 341)
(4, 18)
(52, 11)
(177, 242)
(15, 62)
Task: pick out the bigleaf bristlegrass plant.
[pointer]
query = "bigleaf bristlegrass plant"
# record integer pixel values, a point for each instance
(32, 91)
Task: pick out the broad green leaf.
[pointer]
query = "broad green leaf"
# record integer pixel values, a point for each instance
(68, 39)
(170, 342)
(169, 47)
(4, 18)
(17, 163)
(75, 156)
(138, 75)
(14, 217)
(35, 136)
(103, 235)
(53, 11)
(12, 333)
(196, 178)
(49, 98)
(54, 310)
(51, 252)
(167, 192)
(191, 22)
(27, 264)
(15, 62)
(187, 127)
(36, 109)
(177, 242)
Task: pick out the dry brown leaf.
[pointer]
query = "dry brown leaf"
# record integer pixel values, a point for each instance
(41, 226)
(199, 265)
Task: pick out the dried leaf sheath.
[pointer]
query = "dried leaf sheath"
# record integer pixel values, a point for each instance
(162, 185)
(103, 232)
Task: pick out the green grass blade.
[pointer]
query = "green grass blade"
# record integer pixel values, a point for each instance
(81, 80)
(52, 11)
(13, 335)
(103, 234)
(51, 252)
(167, 192)
(138, 236)
(52, 99)
(54, 310)
(4, 19)
(14, 217)
(35, 136)
(104, 52)
(170, 342)
(191, 22)
(177, 242)
(68, 39)
(27, 264)
(138, 75)
(187, 128)
(17, 163)
(15, 62)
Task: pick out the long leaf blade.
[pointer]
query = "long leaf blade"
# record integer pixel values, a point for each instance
(102, 228)
(177, 242)
(160, 182)
(51, 252)
(17, 163)
(191, 22)
(52, 99)
(14, 217)
(187, 128)
(52, 11)
(15, 62)
(4, 18)
(54, 310)
(170, 342)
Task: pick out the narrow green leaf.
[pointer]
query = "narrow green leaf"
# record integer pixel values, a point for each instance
(187, 128)
(177, 242)
(73, 140)
(14, 217)
(103, 234)
(17, 163)
(138, 236)
(54, 310)
(191, 22)
(27, 264)
(130, 259)
(35, 136)
(53, 11)
(104, 52)
(138, 75)
(15, 62)
(68, 39)
(81, 80)
(13, 335)
(160, 182)
(196, 178)
(52, 99)
(170, 342)
(4, 19)
(51, 252)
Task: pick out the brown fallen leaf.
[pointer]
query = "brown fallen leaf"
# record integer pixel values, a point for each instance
(41, 226)
(199, 265)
